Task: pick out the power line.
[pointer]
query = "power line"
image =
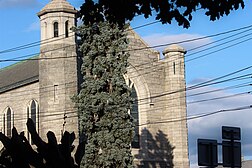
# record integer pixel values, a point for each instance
(197, 86)
(222, 89)
(63, 86)
(155, 46)
(232, 40)
(49, 40)
(196, 116)
(218, 98)
(219, 50)
(164, 93)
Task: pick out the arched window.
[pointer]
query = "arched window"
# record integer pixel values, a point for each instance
(135, 114)
(8, 122)
(33, 113)
(8, 126)
(56, 29)
(45, 30)
(66, 29)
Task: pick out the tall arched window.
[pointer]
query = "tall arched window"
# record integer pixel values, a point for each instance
(134, 112)
(45, 30)
(56, 29)
(8, 122)
(66, 29)
(33, 113)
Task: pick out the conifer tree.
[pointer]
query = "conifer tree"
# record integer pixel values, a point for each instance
(104, 99)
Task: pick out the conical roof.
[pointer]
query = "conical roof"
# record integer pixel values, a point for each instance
(57, 6)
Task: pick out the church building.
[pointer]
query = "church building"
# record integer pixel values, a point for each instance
(41, 88)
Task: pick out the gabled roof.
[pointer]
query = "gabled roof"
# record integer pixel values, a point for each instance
(19, 74)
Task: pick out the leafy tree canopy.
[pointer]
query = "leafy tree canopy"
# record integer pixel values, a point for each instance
(120, 11)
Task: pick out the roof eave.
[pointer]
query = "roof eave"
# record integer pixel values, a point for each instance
(45, 11)
(19, 84)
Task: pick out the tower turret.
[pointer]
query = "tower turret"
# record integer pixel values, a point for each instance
(176, 103)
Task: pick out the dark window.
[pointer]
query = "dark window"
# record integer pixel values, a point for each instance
(8, 127)
(174, 68)
(135, 114)
(34, 113)
(66, 29)
(56, 29)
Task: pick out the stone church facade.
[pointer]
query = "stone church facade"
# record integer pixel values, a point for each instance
(41, 88)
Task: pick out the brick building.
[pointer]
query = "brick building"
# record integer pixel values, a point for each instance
(41, 88)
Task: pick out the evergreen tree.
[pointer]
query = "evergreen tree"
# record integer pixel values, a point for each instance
(104, 100)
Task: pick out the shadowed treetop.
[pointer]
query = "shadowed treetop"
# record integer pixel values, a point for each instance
(181, 11)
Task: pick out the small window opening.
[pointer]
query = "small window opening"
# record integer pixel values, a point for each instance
(55, 92)
(66, 29)
(56, 29)
(174, 67)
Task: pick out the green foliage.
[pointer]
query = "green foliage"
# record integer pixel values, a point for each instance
(119, 11)
(104, 100)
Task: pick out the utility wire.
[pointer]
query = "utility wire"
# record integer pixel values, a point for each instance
(232, 40)
(49, 40)
(63, 86)
(178, 42)
(219, 50)
(218, 98)
(196, 116)
(196, 86)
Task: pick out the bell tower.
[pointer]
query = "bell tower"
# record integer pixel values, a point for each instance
(57, 69)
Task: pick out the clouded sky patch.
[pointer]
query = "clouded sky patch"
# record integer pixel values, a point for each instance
(18, 3)
(35, 26)
(210, 127)
(159, 39)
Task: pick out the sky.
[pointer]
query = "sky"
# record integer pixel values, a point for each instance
(222, 55)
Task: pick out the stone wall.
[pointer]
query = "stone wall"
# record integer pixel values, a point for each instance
(58, 84)
(161, 143)
(18, 100)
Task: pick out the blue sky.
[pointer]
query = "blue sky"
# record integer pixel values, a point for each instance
(20, 25)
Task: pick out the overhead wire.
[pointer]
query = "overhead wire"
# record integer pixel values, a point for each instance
(180, 119)
(135, 49)
(63, 86)
(53, 39)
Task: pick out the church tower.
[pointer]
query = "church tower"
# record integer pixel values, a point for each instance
(57, 69)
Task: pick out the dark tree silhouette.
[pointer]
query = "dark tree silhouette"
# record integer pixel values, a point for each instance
(181, 11)
(155, 151)
(18, 152)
